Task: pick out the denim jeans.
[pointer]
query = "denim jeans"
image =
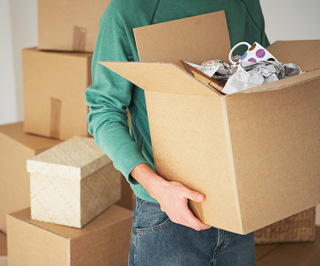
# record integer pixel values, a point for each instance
(156, 241)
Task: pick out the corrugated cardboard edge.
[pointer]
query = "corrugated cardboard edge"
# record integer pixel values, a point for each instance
(231, 162)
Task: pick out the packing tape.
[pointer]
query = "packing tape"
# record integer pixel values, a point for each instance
(55, 117)
(79, 38)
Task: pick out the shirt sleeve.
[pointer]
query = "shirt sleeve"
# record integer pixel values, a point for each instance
(109, 95)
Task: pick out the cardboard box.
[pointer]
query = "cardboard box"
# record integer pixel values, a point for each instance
(128, 198)
(3, 244)
(293, 254)
(3, 249)
(252, 153)
(69, 25)
(104, 241)
(72, 183)
(53, 89)
(300, 227)
(15, 148)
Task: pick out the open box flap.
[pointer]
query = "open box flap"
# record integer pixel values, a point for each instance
(194, 39)
(283, 83)
(160, 77)
(304, 53)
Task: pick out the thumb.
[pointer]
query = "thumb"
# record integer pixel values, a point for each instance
(195, 196)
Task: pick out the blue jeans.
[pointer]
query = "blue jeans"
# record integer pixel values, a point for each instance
(156, 241)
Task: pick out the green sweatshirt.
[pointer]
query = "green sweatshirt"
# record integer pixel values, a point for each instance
(110, 95)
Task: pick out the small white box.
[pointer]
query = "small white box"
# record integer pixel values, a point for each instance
(72, 183)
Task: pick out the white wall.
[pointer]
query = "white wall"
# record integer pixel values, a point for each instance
(18, 29)
(285, 20)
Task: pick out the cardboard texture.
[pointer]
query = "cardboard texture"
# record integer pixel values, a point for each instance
(3, 244)
(69, 25)
(72, 183)
(293, 254)
(54, 85)
(251, 153)
(104, 241)
(15, 148)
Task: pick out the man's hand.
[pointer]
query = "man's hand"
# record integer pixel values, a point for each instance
(172, 196)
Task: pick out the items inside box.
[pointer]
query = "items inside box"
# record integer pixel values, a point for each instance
(246, 71)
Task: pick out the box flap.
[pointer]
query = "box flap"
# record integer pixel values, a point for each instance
(112, 215)
(304, 53)
(194, 39)
(160, 77)
(75, 158)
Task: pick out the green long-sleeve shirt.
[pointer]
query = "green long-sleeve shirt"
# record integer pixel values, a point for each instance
(110, 95)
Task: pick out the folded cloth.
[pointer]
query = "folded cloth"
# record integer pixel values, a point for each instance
(250, 74)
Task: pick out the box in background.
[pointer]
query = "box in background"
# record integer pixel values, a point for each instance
(3, 249)
(128, 198)
(252, 152)
(300, 227)
(72, 183)
(53, 89)
(290, 254)
(104, 241)
(69, 25)
(3, 244)
(15, 148)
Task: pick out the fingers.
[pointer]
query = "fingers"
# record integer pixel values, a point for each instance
(188, 219)
(189, 193)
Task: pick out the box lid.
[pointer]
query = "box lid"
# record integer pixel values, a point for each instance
(75, 158)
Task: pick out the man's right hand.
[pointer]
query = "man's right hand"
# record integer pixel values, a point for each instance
(172, 196)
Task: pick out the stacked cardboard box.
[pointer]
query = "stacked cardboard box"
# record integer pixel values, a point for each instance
(55, 110)
(53, 89)
(69, 25)
(104, 241)
(15, 148)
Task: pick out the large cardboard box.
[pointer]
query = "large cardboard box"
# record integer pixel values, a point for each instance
(72, 183)
(15, 148)
(104, 241)
(290, 254)
(69, 25)
(253, 154)
(53, 89)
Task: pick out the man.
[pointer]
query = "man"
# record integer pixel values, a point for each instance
(173, 236)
